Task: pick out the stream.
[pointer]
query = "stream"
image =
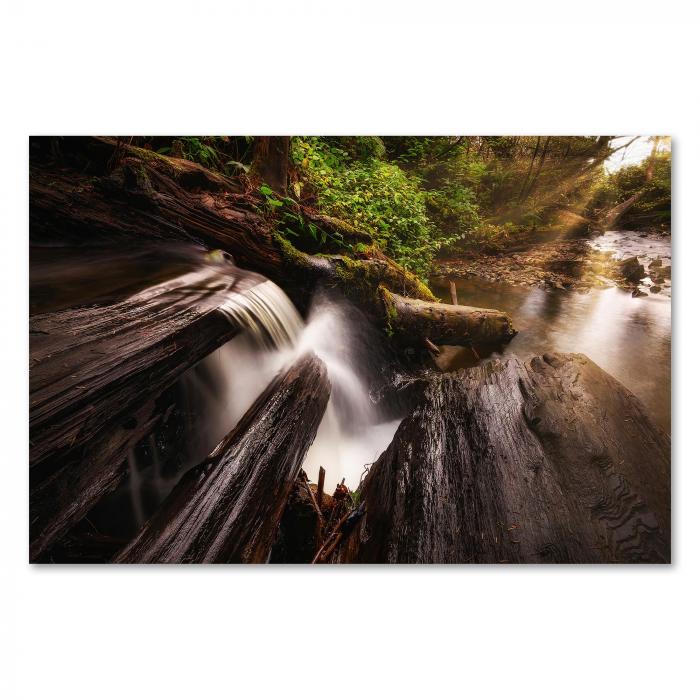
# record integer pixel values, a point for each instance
(629, 337)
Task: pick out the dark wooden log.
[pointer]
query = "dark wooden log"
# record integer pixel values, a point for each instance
(446, 324)
(228, 509)
(88, 364)
(108, 190)
(300, 528)
(547, 461)
(94, 373)
(102, 191)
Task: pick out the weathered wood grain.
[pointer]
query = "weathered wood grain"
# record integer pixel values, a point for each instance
(547, 461)
(446, 324)
(228, 509)
(94, 373)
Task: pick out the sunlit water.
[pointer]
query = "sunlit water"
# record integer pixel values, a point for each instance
(646, 247)
(628, 337)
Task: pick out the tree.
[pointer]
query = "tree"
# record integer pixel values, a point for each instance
(271, 161)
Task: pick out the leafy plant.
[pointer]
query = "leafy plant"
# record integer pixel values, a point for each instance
(373, 195)
(293, 224)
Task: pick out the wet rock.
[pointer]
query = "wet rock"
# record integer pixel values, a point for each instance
(655, 289)
(567, 266)
(656, 262)
(665, 272)
(631, 269)
(639, 293)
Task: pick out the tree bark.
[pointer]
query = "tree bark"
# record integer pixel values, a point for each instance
(536, 176)
(94, 375)
(271, 161)
(228, 509)
(150, 197)
(446, 324)
(550, 461)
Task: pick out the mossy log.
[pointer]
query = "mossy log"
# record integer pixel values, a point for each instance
(228, 509)
(94, 375)
(549, 461)
(101, 189)
(446, 324)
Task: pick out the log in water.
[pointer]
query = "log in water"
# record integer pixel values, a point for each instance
(549, 461)
(96, 372)
(228, 508)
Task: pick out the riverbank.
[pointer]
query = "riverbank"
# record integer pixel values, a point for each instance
(577, 264)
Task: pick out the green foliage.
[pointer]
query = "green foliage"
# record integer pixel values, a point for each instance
(197, 150)
(294, 225)
(417, 195)
(225, 154)
(653, 207)
(373, 195)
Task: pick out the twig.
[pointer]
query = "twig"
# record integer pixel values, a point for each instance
(342, 529)
(319, 488)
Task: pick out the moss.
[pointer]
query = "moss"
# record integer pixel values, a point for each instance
(390, 309)
(291, 254)
(152, 156)
(344, 227)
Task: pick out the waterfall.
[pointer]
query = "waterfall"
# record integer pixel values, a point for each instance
(216, 393)
(352, 433)
(266, 312)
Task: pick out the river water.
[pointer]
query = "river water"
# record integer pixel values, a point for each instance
(629, 337)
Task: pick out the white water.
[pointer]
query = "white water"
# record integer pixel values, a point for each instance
(221, 388)
(352, 434)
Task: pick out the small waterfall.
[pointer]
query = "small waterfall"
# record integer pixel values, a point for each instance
(352, 434)
(266, 312)
(218, 391)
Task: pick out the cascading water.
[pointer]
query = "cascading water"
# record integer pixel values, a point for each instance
(352, 433)
(217, 392)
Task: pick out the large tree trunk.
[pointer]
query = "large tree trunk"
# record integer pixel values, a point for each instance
(94, 375)
(228, 509)
(111, 191)
(547, 461)
(271, 161)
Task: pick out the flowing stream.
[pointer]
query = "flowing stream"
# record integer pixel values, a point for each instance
(629, 337)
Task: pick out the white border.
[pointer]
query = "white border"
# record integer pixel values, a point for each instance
(320, 67)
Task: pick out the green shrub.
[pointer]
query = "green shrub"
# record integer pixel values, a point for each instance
(373, 195)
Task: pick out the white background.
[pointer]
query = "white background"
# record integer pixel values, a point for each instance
(348, 67)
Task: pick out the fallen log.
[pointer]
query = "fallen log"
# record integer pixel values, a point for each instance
(446, 324)
(549, 461)
(228, 509)
(106, 190)
(94, 374)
